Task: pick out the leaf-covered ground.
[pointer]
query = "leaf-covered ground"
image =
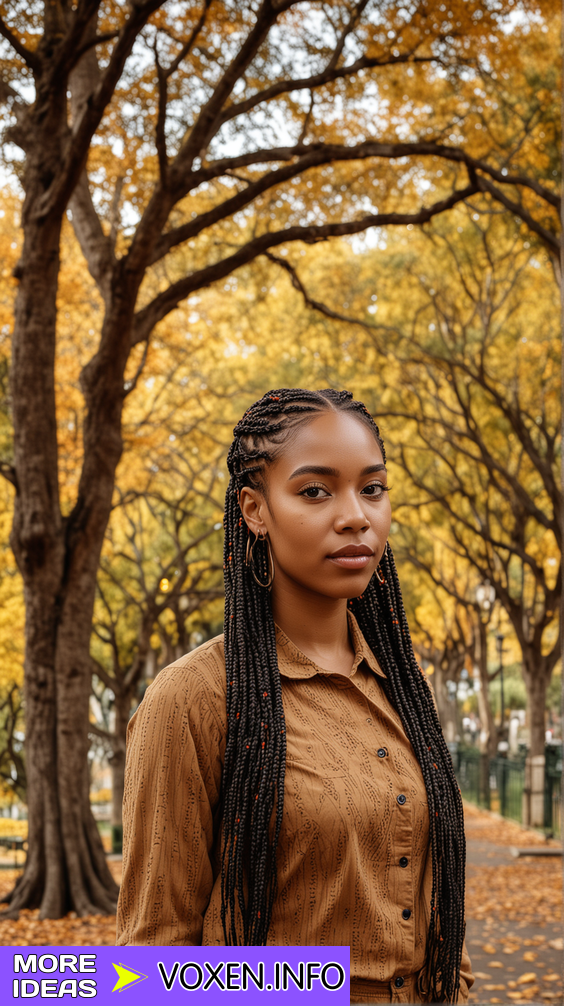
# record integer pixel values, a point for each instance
(514, 911)
(30, 931)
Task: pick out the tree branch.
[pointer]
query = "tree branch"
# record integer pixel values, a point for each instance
(349, 27)
(160, 130)
(530, 183)
(185, 50)
(169, 299)
(56, 198)
(95, 245)
(95, 40)
(551, 241)
(101, 673)
(317, 305)
(327, 76)
(30, 58)
(209, 119)
(105, 735)
(309, 156)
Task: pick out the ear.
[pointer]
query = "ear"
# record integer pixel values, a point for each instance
(252, 506)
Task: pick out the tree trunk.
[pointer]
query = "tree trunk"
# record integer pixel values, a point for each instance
(536, 682)
(66, 867)
(536, 674)
(122, 709)
(446, 706)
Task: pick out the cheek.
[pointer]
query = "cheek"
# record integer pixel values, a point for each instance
(385, 514)
(295, 534)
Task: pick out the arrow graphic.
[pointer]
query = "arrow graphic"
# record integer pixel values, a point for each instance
(127, 976)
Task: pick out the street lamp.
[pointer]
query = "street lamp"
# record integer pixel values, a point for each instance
(485, 595)
(499, 641)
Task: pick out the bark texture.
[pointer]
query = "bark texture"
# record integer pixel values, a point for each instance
(58, 557)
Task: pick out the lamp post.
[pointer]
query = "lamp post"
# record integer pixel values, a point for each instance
(499, 641)
(485, 599)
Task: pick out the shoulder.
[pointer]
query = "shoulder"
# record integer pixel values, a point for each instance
(193, 686)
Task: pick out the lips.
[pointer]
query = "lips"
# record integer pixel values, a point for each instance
(347, 550)
(352, 557)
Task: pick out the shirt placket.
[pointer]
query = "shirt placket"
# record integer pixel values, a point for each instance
(401, 850)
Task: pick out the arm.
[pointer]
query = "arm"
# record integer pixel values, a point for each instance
(173, 775)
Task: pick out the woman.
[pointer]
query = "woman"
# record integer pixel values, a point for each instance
(288, 783)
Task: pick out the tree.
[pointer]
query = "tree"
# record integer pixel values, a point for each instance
(158, 574)
(483, 398)
(460, 363)
(448, 628)
(12, 763)
(179, 119)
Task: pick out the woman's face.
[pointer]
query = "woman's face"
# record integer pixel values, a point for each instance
(325, 510)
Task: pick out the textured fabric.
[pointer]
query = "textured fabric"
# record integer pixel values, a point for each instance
(364, 991)
(353, 856)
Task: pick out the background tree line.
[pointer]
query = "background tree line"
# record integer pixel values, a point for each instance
(180, 168)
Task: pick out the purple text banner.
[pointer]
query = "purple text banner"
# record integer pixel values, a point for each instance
(153, 975)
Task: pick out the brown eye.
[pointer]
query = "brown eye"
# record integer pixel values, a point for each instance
(376, 490)
(314, 492)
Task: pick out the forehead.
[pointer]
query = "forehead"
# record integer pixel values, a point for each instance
(333, 439)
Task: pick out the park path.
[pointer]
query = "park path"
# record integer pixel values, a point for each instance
(514, 916)
(514, 913)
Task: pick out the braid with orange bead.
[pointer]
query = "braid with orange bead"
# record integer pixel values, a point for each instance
(255, 755)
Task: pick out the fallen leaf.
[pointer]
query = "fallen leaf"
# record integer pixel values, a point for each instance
(557, 944)
(512, 985)
(516, 995)
(552, 977)
(551, 995)
(492, 1000)
(530, 955)
(488, 948)
(494, 988)
(529, 976)
(495, 964)
(481, 974)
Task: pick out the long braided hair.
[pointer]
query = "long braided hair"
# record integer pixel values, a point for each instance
(255, 756)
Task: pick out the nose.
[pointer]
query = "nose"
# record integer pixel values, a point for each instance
(351, 516)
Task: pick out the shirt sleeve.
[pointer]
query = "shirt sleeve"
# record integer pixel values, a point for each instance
(174, 760)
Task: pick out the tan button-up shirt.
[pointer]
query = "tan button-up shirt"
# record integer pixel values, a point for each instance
(354, 863)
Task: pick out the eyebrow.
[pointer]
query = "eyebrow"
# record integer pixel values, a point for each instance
(323, 470)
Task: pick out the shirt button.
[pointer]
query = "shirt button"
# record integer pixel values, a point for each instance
(403, 861)
(399, 983)
(382, 752)
(406, 914)
(402, 799)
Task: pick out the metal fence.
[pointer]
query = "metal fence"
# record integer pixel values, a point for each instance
(553, 791)
(498, 783)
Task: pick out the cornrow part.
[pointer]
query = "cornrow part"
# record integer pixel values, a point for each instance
(255, 755)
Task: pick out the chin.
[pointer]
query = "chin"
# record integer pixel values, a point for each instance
(352, 586)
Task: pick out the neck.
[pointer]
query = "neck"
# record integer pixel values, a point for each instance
(316, 624)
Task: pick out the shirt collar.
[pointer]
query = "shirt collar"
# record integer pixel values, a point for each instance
(293, 663)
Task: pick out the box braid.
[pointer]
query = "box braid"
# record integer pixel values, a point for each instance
(255, 755)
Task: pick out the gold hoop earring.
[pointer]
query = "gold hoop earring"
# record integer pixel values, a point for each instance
(267, 563)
